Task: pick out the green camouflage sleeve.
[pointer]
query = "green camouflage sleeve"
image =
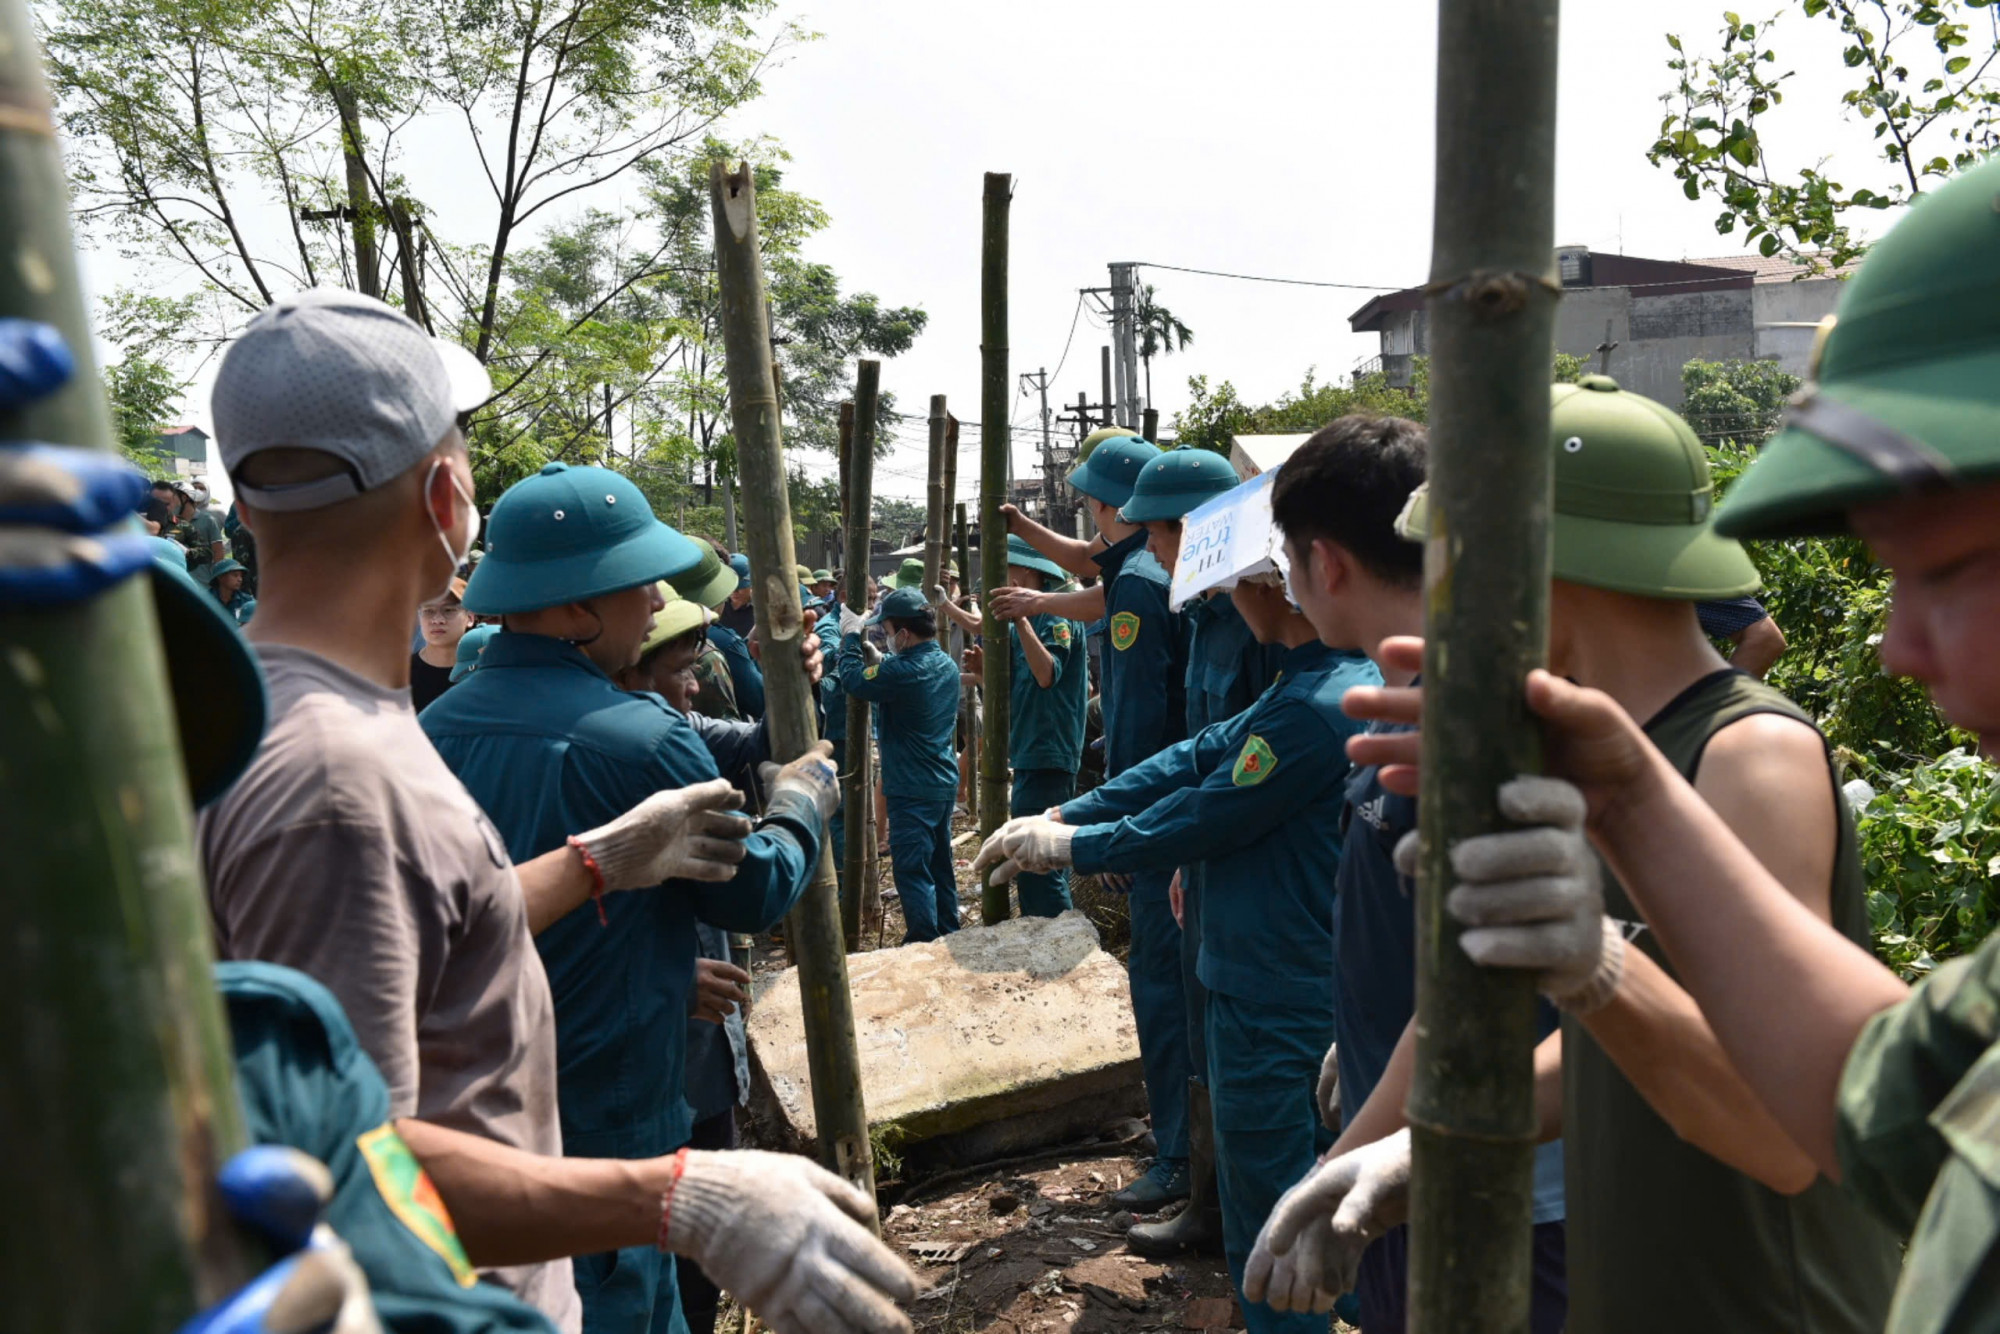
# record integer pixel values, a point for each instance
(1907, 1062)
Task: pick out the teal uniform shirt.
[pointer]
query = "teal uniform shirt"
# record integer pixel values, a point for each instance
(306, 1083)
(1227, 669)
(1144, 686)
(915, 694)
(1045, 725)
(744, 673)
(550, 747)
(1258, 798)
(241, 608)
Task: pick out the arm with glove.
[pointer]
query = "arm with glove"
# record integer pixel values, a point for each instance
(688, 833)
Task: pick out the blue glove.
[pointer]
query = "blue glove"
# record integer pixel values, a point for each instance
(80, 493)
(316, 1288)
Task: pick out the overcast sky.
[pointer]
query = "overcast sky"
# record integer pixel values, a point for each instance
(1284, 138)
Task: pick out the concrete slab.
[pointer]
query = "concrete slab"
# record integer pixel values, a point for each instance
(993, 1040)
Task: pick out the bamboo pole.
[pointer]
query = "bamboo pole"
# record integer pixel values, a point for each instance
(813, 930)
(994, 438)
(856, 485)
(936, 516)
(116, 1093)
(968, 715)
(1492, 317)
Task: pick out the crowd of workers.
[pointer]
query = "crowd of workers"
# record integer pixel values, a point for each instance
(477, 834)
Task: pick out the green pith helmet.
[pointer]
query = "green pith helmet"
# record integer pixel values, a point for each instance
(1021, 554)
(905, 603)
(1113, 465)
(1633, 500)
(1905, 393)
(822, 576)
(226, 565)
(710, 582)
(679, 616)
(1178, 481)
(470, 645)
(910, 574)
(567, 534)
(1098, 437)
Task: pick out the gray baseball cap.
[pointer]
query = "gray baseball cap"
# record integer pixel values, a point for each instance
(344, 374)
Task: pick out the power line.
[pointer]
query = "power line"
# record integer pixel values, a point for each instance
(1260, 278)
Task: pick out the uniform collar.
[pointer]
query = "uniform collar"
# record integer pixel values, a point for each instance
(512, 649)
(922, 646)
(1112, 559)
(1308, 657)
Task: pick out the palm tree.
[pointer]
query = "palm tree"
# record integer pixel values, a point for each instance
(1160, 333)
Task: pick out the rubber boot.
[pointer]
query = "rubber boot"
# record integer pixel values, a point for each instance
(1197, 1228)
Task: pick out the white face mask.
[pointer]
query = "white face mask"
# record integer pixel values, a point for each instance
(458, 558)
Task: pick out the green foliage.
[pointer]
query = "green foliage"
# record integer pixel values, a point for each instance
(895, 520)
(1930, 842)
(1922, 81)
(1215, 415)
(1735, 400)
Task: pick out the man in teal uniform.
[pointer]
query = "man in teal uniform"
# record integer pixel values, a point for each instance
(915, 694)
(225, 579)
(1227, 669)
(1256, 799)
(1142, 696)
(547, 743)
(1049, 690)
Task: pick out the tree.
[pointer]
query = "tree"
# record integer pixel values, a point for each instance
(897, 521)
(1161, 333)
(1920, 80)
(264, 146)
(1213, 417)
(1735, 400)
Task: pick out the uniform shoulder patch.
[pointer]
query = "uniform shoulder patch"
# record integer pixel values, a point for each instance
(870, 673)
(1124, 630)
(1059, 634)
(1254, 762)
(406, 1188)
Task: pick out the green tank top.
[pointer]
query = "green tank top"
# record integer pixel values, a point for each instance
(1662, 1237)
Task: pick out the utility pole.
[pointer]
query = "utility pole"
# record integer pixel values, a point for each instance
(1604, 351)
(1486, 573)
(994, 402)
(116, 1085)
(1039, 380)
(813, 929)
(1125, 333)
(1106, 403)
(366, 273)
(1149, 428)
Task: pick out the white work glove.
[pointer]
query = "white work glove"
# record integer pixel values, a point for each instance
(1531, 898)
(851, 621)
(789, 1240)
(1310, 1247)
(869, 653)
(692, 833)
(1326, 1095)
(1032, 843)
(809, 786)
(935, 595)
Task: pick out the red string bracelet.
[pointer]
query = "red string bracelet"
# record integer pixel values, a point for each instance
(596, 878)
(667, 1195)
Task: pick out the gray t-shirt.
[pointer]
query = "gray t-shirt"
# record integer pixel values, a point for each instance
(349, 851)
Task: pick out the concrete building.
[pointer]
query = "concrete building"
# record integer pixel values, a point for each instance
(187, 446)
(1641, 320)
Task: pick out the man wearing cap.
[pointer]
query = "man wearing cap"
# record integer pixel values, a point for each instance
(1049, 691)
(1887, 1088)
(915, 694)
(348, 850)
(738, 612)
(225, 580)
(1737, 1227)
(196, 528)
(547, 743)
(1142, 694)
(709, 585)
(736, 619)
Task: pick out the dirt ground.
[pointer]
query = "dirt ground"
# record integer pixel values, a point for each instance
(1034, 1245)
